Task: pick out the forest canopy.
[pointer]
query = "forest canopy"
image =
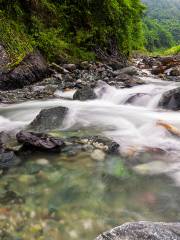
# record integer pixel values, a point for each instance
(162, 23)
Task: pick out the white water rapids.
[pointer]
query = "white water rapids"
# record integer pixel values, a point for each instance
(131, 123)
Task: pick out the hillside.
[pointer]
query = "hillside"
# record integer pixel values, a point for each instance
(162, 23)
(71, 29)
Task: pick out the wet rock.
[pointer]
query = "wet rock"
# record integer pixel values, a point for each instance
(49, 119)
(33, 68)
(39, 141)
(85, 93)
(8, 159)
(98, 155)
(104, 143)
(143, 231)
(175, 71)
(171, 100)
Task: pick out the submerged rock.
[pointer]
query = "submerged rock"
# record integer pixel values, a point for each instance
(33, 68)
(49, 119)
(171, 99)
(8, 159)
(85, 93)
(143, 231)
(39, 141)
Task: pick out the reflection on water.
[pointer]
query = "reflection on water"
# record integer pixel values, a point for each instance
(61, 199)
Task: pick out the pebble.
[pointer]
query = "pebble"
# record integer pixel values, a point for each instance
(42, 161)
(98, 155)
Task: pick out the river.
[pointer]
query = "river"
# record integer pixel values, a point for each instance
(52, 197)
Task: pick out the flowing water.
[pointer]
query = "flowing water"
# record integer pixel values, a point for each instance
(55, 197)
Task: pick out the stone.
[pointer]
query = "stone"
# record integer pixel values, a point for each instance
(8, 159)
(143, 231)
(170, 99)
(58, 68)
(98, 155)
(70, 67)
(33, 68)
(38, 141)
(85, 93)
(130, 71)
(49, 119)
(175, 71)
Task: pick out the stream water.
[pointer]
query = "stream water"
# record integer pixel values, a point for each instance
(54, 197)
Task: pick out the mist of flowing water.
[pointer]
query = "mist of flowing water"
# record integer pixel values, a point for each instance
(129, 116)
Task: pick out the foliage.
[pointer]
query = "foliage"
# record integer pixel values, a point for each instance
(161, 24)
(71, 28)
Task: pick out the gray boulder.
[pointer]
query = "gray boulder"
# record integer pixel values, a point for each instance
(33, 68)
(171, 99)
(48, 119)
(143, 231)
(85, 93)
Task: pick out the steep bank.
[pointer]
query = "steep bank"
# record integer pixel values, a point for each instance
(74, 30)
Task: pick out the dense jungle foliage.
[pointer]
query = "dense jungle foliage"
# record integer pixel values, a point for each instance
(162, 24)
(71, 28)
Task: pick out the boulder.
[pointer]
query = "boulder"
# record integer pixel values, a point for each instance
(33, 68)
(85, 93)
(39, 141)
(49, 119)
(171, 99)
(143, 231)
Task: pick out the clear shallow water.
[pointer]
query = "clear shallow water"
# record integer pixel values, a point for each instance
(77, 198)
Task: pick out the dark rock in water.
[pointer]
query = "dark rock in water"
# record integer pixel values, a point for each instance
(171, 99)
(39, 141)
(86, 93)
(8, 159)
(33, 68)
(49, 119)
(143, 231)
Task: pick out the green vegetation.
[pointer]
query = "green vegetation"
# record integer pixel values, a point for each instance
(170, 51)
(161, 24)
(69, 29)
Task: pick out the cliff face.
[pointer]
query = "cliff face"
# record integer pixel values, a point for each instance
(71, 29)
